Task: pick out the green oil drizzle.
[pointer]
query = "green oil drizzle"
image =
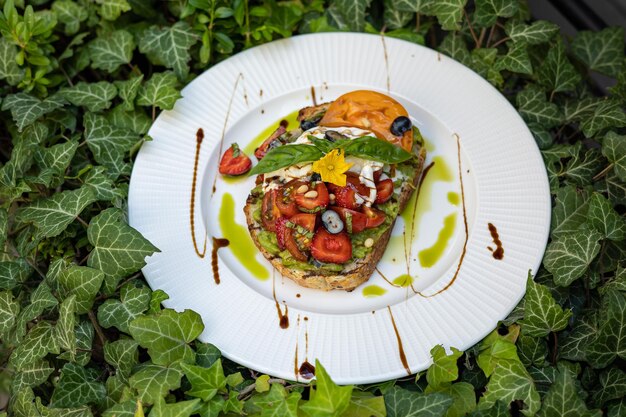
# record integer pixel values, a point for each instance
(403, 280)
(454, 198)
(429, 256)
(257, 141)
(429, 146)
(241, 245)
(373, 291)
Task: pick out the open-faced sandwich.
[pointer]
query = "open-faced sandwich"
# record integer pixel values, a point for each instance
(328, 193)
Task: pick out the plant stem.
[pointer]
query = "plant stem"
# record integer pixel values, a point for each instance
(471, 28)
(506, 38)
(417, 22)
(603, 172)
(247, 390)
(481, 38)
(491, 32)
(96, 326)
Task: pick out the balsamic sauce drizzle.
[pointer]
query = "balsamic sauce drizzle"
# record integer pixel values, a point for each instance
(498, 253)
(313, 96)
(400, 347)
(283, 318)
(382, 37)
(218, 243)
(192, 207)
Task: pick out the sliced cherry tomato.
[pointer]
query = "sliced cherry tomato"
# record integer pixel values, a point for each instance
(374, 217)
(313, 204)
(345, 197)
(265, 146)
(281, 231)
(269, 211)
(298, 243)
(353, 180)
(357, 222)
(377, 175)
(285, 198)
(384, 191)
(328, 247)
(234, 161)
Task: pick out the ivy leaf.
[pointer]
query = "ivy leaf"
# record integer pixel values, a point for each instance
(534, 108)
(9, 309)
(128, 408)
(570, 210)
(601, 51)
(403, 403)
(160, 91)
(112, 50)
(498, 350)
(64, 329)
(444, 368)
(557, 73)
(610, 340)
(449, 13)
(538, 32)
(112, 9)
(4, 229)
(327, 398)
(205, 382)
(542, 314)
(604, 219)
(583, 167)
(31, 375)
(119, 313)
(108, 143)
(93, 96)
(562, 400)
(178, 409)
(102, 185)
(123, 355)
(579, 110)
(13, 273)
(77, 386)
(575, 344)
(169, 46)
(455, 47)
(84, 342)
(153, 381)
(40, 300)
(569, 256)
(166, 335)
(119, 249)
(55, 160)
(82, 282)
(488, 11)
(39, 341)
(612, 386)
(156, 298)
(532, 350)
(135, 120)
(70, 14)
(607, 115)
(278, 402)
(614, 148)
(353, 12)
(25, 108)
(516, 59)
(415, 6)
(52, 215)
(9, 70)
(510, 381)
(464, 399)
(127, 90)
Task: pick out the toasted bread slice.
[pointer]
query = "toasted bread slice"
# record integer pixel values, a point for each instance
(354, 273)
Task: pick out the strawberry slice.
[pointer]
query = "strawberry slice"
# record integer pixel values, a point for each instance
(234, 161)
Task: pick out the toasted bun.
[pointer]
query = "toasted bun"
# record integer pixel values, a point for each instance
(354, 273)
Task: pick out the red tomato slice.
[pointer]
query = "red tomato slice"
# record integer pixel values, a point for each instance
(269, 211)
(384, 191)
(328, 247)
(281, 232)
(374, 217)
(357, 219)
(313, 204)
(234, 161)
(296, 243)
(285, 199)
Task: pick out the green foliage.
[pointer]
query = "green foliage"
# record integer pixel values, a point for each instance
(81, 334)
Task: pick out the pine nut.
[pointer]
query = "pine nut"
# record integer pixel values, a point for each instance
(311, 194)
(369, 242)
(302, 189)
(331, 196)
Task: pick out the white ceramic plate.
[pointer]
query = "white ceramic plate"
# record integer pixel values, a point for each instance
(358, 338)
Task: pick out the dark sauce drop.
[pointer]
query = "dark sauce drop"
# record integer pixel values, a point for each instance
(283, 317)
(218, 243)
(498, 253)
(192, 206)
(284, 123)
(306, 370)
(400, 347)
(298, 295)
(313, 96)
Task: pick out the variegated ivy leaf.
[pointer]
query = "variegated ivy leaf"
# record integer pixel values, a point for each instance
(601, 51)
(103, 186)
(415, 6)
(9, 309)
(482, 61)
(119, 249)
(24, 147)
(25, 108)
(128, 408)
(279, 402)
(71, 14)
(612, 386)
(127, 90)
(40, 300)
(509, 382)
(77, 386)
(55, 160)
(568, 257)
(395, 19)
(119, 313)
(570, 210)
(108, 143)
(557, 73)
(535, 108)
(542, 314)
(9, 70)
(608, 114)
(110, 51)
(516, 59)
(64, 329)
(177, 409)
(13, 273)
(167, 334)
(327, 398)
(169, 46)
(581, 169)
(31, 375)
(538, 32)
(4, 228)
(562, 400)
(610, 340)
(444, 368)
(160, 91)
(82, 282)
(488, 11)
(153, 382)
(614, 187)
(614, 148)
(464, 397)
(123, 354)
(532, 350)
(449, 13)
(574, 345)
(402, 403)
(136, 120)
(455, 47)
(579, 110)
(496, 350)
(604, 218)
(112, 9)
(353, 12)
(205, 382)
(39, 341)
(84, 341)
(93, 96)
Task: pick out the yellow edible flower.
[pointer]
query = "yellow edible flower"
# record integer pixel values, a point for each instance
(332, 167)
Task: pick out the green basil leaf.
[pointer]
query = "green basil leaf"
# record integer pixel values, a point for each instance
(374, 149)
(285, 156)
